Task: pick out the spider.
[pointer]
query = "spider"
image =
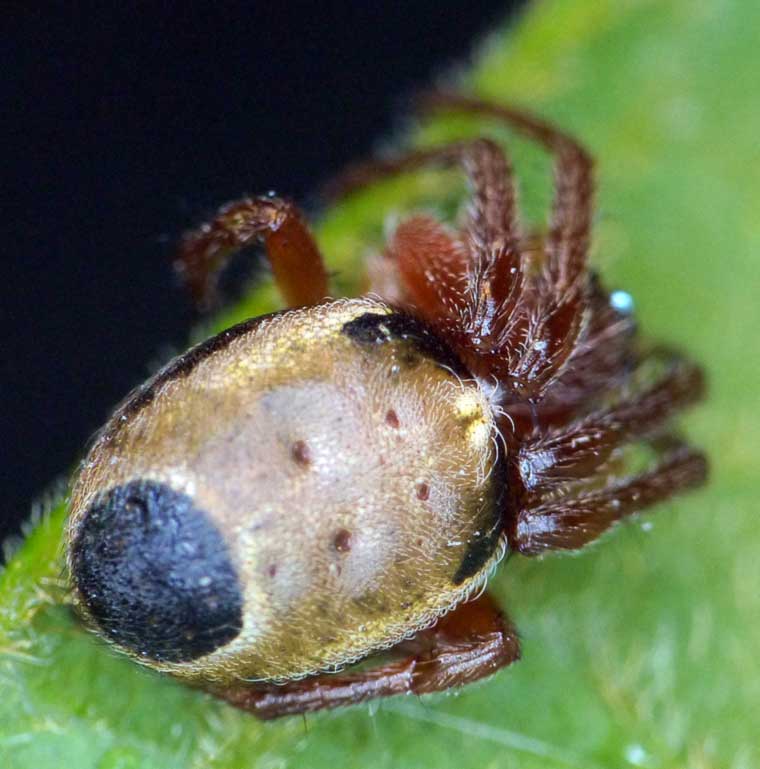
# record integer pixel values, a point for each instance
(335, 482)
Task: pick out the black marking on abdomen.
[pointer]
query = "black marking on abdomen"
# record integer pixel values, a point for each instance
(373, 329)
(155, 573)
(484, 543)
(479, 551)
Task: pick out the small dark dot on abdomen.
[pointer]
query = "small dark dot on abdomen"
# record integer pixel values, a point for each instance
(301, 453)
(342, 541)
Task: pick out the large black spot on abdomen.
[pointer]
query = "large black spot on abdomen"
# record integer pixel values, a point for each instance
(155, 573)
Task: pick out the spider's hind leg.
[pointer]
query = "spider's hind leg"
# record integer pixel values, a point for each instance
(470, 642)
(277, 224)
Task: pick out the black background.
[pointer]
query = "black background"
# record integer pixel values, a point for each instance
(125, 127)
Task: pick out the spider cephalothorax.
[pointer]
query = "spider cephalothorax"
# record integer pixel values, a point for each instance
(314, 486)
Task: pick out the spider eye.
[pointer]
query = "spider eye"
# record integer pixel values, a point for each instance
(155, 573)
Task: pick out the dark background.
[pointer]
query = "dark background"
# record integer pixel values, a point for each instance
(126, 127)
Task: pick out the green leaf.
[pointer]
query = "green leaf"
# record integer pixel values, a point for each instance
(641, 651)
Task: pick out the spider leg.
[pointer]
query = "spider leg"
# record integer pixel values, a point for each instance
(575, 452)
(570, 226)
(604, 358)
(604, 355)
(470, 642)
(277, 224)
(571, 523)
(435, 290)
(551, 325)
(467, 285)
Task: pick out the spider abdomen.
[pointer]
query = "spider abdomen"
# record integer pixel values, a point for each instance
(346, 463)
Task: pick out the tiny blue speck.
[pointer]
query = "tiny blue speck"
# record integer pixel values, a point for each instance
(621, 301)
(636, 755)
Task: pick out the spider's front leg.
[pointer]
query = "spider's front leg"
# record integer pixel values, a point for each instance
(464, 284)
(554, 319)
(506, 318)
(580, 450)
(470, 642)
(277, 224)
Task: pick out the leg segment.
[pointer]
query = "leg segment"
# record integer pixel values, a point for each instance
(468, 286)
(438, 289)
(470, 642)
(525, 349)
(571, 523)
(547, 463)
(570, 226)
(553, 323)
(492, 210)
(290, 248)
(601, 362)
(484, 283)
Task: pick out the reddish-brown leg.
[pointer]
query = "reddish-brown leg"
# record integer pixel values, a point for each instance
(470, 642)
(603, 359)
(550, 461)
(554, 320)
(278, 225)
(438, 291)
(568, 238)
(523, 349)
(466, 286)
(569, 523)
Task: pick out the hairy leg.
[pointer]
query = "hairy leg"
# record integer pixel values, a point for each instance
(553, 319)
(470, 642)
(278, 225)
(549, 461)
(523, 349)
(603, 361)
(465, 286)
(569, 230)
(407, 277)
(468, 284)
(569, 523)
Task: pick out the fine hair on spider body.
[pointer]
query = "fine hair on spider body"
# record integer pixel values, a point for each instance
(348, 473)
